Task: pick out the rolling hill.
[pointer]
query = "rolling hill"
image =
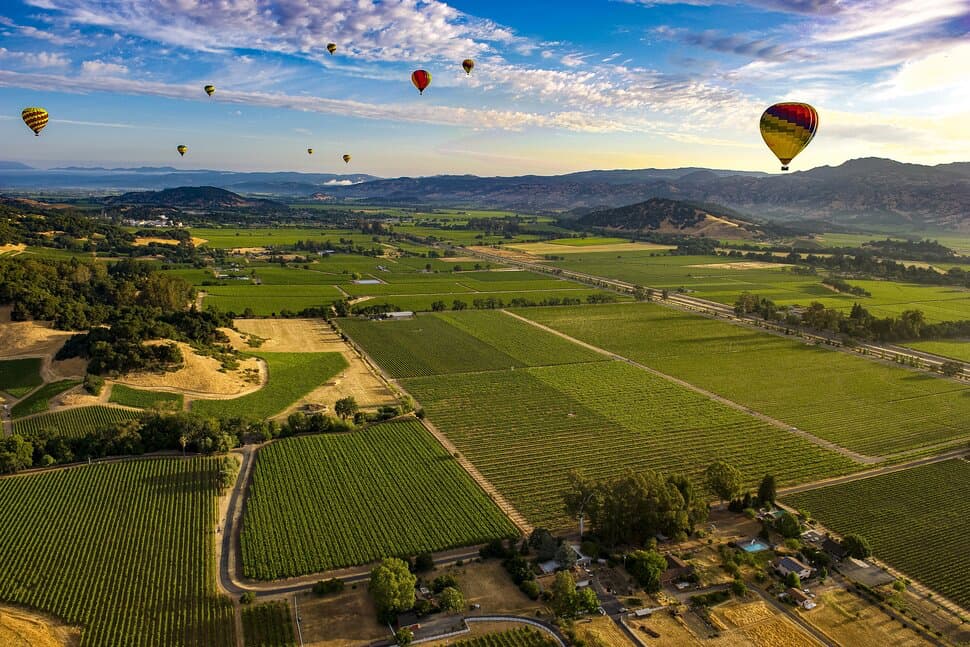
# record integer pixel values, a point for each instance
(669, 217)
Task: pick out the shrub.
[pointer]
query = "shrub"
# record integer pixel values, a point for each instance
(327, 587)
(93, 383)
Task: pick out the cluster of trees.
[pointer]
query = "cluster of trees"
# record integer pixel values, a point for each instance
(392, 586)
(840, 285)
(633, 508)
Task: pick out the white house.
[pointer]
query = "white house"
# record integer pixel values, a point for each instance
(786, 565)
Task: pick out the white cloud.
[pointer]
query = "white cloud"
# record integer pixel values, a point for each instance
(36, 59)
(101, 68)
(874, 17)
(573, 60)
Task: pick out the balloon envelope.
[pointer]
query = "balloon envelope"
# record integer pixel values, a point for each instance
(331, 47)
(421, 79)
(347, 158)
(309, 151)
(181, 148)
(35, 118)
(787, 129)
(468, 65)
(210, 89)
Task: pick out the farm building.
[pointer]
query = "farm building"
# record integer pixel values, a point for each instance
(802, 599)
(677, 569)
(835, 549)
(408, 620)
(397, 316)
(786, 565)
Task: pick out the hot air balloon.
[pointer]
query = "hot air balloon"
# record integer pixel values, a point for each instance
(331, 47)
(35, 118)
(421, 80)
(181, 148)
(347, 158)
(468, 65)
(210, 89)
(309, 151)
(788, 128)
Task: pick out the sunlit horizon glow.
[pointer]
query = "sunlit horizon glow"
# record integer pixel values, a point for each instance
(557, 87)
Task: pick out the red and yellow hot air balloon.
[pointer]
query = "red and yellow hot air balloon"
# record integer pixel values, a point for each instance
(35, 118)
(182, 148)
(788, 128)
(421, 79)
(468, 65)
(331, 47)
(346, 158)
(210, 89)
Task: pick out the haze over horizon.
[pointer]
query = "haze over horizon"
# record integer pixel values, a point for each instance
(558, 87)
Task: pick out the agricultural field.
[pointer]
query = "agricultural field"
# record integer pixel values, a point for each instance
(39, 400)
(522, 637)
(322, 502)
(124, 550)
(917, 520)
(18, 377)
(291, 376)
(423, 302)
(129, 397)
(587, 241)
(525, 429)
(268, 625)
(73, 423)
(958, 349)
(230, 238)
(871, 408)
(263, 300)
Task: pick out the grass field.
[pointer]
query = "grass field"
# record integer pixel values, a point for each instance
(958, 349)
(142, 399)
(18, 377)
(588, 241)
(39, 400)
(917, 520)
(854, 402)
(275, 237)
(268, 625)
(526, 429)
(124, 550)
(327, 501)
(265, 300)
(73, 423)
(291, 376)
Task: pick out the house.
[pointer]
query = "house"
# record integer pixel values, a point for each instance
(397, 316)
(581, 560)
(800, 598)
(548, 567)
(677, 569)
(408, 620)
(813, 537)
(835, 549)
(786, 565)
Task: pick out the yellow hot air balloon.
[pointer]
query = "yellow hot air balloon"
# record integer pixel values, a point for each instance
(331, 47)
(35, 118)
(788, 128)
(210, 89)
(309, 151)
(347, 158)
(182, 148)
(468, 65)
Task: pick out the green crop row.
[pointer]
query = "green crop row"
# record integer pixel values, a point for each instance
(73, 423)
(142, 399)
(268, 625)
(124, 550)
(328, 501)
(39, 400)
(917, 520)
(18, 377)
(523, 637)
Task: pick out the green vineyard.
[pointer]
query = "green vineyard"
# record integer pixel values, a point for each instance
(18, 377)
(39, 400)
(123, 550)
(323, 502)
(121, 394)
(525, 429)
(291, 376)
(854, 402)
(524, 637)
(917, 520)
(268, 625)
(73, 423)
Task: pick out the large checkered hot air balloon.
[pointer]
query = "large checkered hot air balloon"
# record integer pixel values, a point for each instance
(35, 118)
(788, 128)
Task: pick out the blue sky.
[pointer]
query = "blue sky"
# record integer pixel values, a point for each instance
(559, 86)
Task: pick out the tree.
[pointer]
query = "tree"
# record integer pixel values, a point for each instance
(423, 563)
(767, 491)
(451, 600)
(646, 566)
(738, 588)
(392, 587)
(565, 601)
(724, 481)
(856, 546)
(951, 369)
(793, 580)
(458, 304)
(346, 407)
(438, 306)
(586, 600)
(787, 524)
(247, 598)
(545, 545)
(566, 556)
(403, 637)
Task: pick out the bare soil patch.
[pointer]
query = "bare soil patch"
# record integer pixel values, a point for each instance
(20, 628)
(65, 369)
(346, 620)
(201, 376)
(487, 584)
(12, 249)
(761, 625)
(602, 631)
(30, 338)
(147, 240)
(741, 265)
(292, 335)
(852, 621)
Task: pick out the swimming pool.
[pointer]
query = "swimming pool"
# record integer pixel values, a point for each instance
(754, 546)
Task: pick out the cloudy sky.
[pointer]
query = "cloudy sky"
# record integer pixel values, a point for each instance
(559, 85)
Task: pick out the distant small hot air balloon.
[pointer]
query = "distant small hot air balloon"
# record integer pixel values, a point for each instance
(181, 148)
(468, 65)
(331, 47)
(210, 89)
(35, 118)
(347, 158)
(309, 151)
(788, 128)
(421, 80)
